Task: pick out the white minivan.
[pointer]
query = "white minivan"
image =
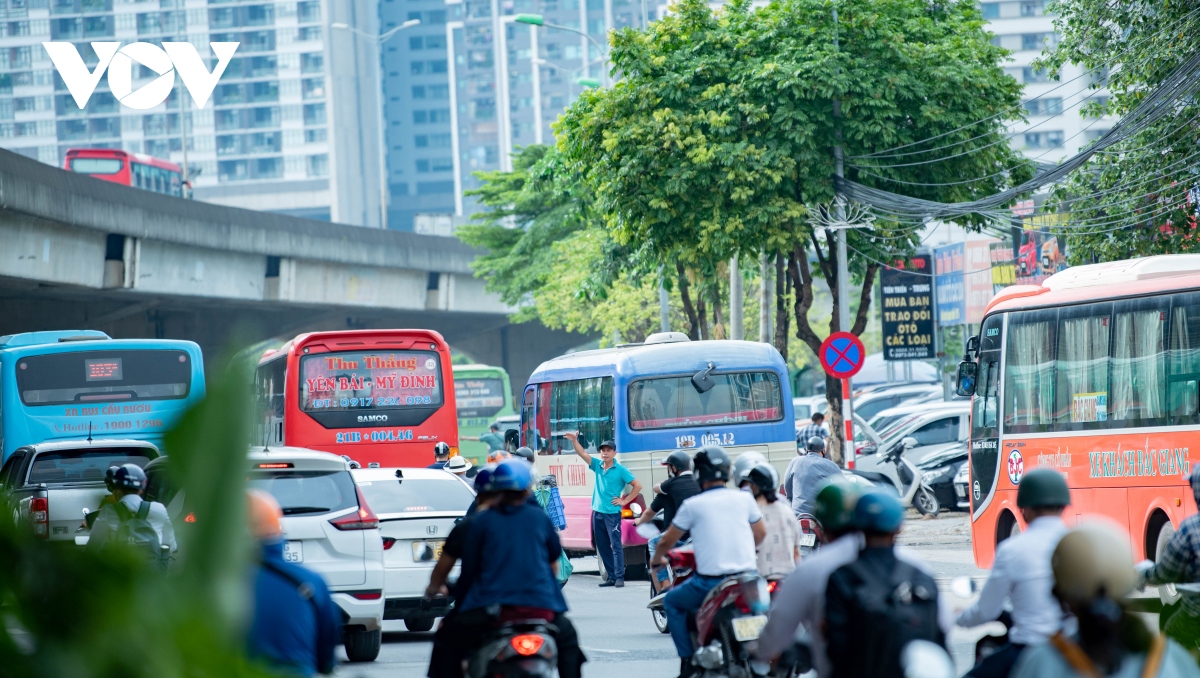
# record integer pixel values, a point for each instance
(330, 529)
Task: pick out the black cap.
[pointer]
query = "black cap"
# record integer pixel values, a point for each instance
(608, 443)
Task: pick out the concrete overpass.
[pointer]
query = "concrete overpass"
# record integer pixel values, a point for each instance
(80, 253)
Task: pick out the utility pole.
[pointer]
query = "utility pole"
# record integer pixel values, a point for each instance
(736, 297)
(664, 305)
(843, 273)
(765, 334)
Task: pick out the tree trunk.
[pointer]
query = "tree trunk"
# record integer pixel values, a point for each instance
(719, 331)
(782, 317)
(688, 309)
(701, 313)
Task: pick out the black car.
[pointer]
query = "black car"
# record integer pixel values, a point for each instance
(939, 470)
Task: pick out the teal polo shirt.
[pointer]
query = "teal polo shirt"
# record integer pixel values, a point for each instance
(609, 485)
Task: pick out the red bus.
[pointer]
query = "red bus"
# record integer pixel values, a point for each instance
(383, 396)
(127, 169)
(1095, 373)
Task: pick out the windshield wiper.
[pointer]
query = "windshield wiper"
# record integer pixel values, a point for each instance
(305, 509)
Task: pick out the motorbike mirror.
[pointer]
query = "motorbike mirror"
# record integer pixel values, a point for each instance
(908, 442)
(925, 659)
(512, 439)
(965, 379)
(648, 531)
(963, 587)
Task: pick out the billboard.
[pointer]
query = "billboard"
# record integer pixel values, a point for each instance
(1003, 267)
(948, 261)
(977, 278)
(908, 309)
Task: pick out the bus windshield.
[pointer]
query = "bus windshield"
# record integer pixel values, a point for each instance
(736, 398)
(351, 382)
(100, 376)
(97, 165)
(479, 396)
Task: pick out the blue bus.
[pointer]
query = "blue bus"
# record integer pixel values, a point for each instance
(71, 384)
(653, 398)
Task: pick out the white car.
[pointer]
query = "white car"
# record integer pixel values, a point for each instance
(330, 529)
(417, 508)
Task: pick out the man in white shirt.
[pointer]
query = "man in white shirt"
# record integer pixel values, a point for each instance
(127, 483)
(1021, 574)
(726, 526)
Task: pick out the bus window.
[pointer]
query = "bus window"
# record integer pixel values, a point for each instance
(1082, 369)
(527, 413)
(672, 402)
(584, 405)
(985, 406)
(478, 397)
(1139, 362)
(270, 378)
(1183, 359)
(97, 165)
(100, 376)
(1029, 372)
(338, 389)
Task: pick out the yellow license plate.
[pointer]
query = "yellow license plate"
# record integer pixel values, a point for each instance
(748, 628)
(427, 551)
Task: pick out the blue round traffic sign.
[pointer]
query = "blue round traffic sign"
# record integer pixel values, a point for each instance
(842, 355)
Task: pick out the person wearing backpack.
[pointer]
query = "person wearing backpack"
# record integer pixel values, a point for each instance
(1093, 574)
(1021, 574)
(878, 603)
(143, 525)
(295, 625)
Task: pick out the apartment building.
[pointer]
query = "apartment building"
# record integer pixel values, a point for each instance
(291, 127)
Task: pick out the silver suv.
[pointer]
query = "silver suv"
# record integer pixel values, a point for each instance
(330, 529)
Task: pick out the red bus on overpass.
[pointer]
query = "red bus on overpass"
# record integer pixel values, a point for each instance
(127, 169)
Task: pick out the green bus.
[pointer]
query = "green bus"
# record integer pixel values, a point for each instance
(483, 393)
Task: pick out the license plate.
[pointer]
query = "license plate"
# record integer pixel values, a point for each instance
(427, 551)
(808, 539)
(293, 552)
(748, 628)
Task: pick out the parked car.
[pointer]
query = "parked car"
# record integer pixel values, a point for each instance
(868, 404)
(417, 508)
(887, 420)
(962, 481)
(939, 471)
(46, 487)
(330, 529)
(934, 431)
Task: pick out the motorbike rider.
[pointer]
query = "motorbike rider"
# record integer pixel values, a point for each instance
(509, 559)
(679, 486)
(726, 526)
(126, 483)
(1180, 563)
(806, 473)
(1021, 574)
(441, 455)
(295, 626)
(742, 466)
(780, 549)
(1093, 573)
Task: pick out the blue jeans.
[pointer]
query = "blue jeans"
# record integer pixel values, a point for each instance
(999, 663)
(683, 599)
(606, 530)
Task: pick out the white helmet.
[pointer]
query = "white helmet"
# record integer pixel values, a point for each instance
(743, 464)
(1090, 560)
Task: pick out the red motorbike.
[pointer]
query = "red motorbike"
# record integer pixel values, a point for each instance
(729, 621)
(811, 534)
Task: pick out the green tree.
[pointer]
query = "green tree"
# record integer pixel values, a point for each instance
(719, 140)
(1131, 199)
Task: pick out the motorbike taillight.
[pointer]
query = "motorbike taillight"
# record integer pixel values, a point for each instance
(808, 525)
(755, 596)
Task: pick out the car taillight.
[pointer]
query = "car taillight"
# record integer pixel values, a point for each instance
(388, 543)
(362, 519)
(527, 644)
(367, 595)
(39, 514)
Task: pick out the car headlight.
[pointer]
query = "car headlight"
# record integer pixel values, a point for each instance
(935, 475)
(963, 475)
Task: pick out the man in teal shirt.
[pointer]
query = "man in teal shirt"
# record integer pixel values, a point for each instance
(608, 498)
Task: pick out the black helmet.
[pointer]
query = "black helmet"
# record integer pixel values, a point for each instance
(815, 445)
(128, 477)
(441, 450)
(680, 461)
(711, 464)
(1043, 488)
(765, 479)
(524, 453)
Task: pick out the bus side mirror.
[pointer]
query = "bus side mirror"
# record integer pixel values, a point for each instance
(965, 381)
(512, 439)
(973, 346)
(702, 381)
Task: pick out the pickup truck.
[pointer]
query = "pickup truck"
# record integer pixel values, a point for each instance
(46, 486)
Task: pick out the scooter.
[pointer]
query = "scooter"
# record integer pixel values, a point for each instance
(811, 534)
(910, 487)
(518, 649)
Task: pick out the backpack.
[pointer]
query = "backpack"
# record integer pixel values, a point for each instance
(877, 614)
(136, 532)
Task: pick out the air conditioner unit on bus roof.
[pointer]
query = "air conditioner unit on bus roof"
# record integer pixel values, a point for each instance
(1115, 272)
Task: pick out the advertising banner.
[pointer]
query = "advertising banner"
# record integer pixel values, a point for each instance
(951, 294)
(1004, 271)
(908, 309)
(977, 278)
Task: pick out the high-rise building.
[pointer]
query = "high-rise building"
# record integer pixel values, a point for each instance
(1055, 129)
(505, 85)
(291, 127)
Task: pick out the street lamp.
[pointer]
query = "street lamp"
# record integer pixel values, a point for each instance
(539, 20)
(379, 40)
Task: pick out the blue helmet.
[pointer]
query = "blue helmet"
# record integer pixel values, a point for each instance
(482, 477)
(878, 512)
(511, 475)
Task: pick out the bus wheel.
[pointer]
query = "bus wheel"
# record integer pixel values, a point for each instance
(1006, 527)
(1166, 592)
